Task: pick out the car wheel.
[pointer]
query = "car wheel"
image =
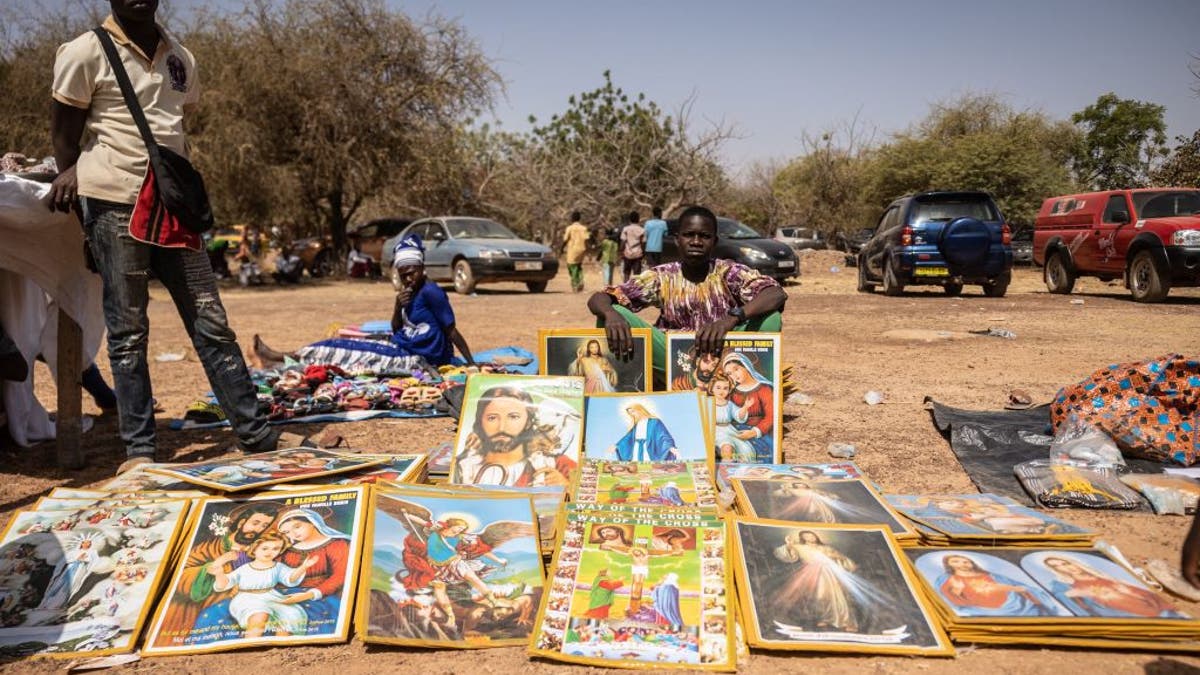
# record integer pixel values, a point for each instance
(464, 279)
(1058, 278)
(1148, 281)
(864, 285)
(952, 289)
(322, 265)
(536, 286)
(891, 285)
(997, 288)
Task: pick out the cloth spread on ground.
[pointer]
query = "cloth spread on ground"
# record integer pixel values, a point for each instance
(1151, 409)
(317, 393)
(989, 443)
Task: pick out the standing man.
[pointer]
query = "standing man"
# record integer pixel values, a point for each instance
(575, 239)
(633, 246)
(105, 174)
(655, 228)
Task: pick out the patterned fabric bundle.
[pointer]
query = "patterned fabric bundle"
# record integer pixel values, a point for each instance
(1150, 408)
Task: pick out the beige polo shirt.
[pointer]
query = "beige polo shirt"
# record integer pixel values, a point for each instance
(113, 160)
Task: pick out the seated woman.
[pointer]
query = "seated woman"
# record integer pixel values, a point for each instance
(423, 329)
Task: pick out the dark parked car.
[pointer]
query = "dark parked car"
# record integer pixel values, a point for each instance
(743, 244)
(1022, 246)
(946, 239)
(470, 251)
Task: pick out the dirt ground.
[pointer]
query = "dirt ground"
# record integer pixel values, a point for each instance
(842, 345)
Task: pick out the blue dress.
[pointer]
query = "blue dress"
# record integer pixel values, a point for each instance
(426, 320)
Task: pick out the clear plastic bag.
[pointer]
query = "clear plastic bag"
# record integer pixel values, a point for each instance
(1081, 444)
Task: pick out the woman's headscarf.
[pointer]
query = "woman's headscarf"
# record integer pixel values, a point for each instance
(408, 252)
(314, 519)
(745, 363)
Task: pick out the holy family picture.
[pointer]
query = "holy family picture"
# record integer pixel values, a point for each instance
(745, 382)
(1011, 582)
(264, 570)
(813, 587)
(519, 431)
(584, 353)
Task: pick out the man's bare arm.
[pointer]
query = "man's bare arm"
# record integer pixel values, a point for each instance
(66, 130)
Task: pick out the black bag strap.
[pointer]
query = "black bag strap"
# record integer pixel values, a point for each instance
(131, 101)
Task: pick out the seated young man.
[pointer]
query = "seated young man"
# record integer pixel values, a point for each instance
(708, 296)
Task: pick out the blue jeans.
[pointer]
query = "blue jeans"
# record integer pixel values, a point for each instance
(125, 266)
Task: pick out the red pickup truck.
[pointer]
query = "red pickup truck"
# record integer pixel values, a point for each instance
(1151, 237)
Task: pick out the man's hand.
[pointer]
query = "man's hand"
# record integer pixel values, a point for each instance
(1191, 553)
(710, 339)
(64, 190)
(620, 338)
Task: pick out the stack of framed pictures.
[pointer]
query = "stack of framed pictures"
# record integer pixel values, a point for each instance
(850, 501)
(78, 576)
(450, 568)
(831, 588)
(745, 386)
(583, 352)
(271, 569)
(986, 519)
(1049, 596)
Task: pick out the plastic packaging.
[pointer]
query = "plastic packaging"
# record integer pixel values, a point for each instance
(873, 397)
(1079, 443)
(842, 450)
(799, 399)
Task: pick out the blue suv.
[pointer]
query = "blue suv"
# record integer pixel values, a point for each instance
(947, 239)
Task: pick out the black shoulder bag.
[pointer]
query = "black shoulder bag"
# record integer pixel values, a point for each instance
(179, 185)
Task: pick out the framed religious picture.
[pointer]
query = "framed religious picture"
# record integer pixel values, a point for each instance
(745, 382)
(655, 484)
(142, 479)
(450, 570)
(831, 588)
(659, 427)
(273, 569)
(987, 518)
(250, 472)
(395, 469)
(843, 502)
(583, 352)
(639, 592)
(81, 580)
(519, 430)
(834, 471)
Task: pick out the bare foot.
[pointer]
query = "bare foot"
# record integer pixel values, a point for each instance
(262, 356)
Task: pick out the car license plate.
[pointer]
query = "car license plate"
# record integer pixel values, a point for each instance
(524, 266)
(932, 272)
(787, 264)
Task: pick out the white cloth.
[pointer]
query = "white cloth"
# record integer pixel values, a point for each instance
(42, 254)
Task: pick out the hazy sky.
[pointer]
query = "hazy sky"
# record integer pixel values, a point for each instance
(778, 68)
